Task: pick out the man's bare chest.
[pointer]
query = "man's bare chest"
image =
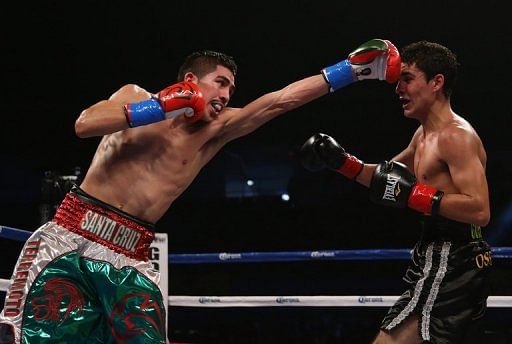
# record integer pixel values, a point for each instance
(428, 164)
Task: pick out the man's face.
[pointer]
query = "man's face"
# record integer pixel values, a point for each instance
(217, 87)
(415, 92)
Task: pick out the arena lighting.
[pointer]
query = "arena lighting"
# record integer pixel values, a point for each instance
(285, 197)
(250, 182)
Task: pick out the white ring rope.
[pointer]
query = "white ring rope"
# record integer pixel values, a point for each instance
(292, 301)
(303, 301)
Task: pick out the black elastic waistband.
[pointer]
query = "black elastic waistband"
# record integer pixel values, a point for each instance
(84, 196)
(441, 228)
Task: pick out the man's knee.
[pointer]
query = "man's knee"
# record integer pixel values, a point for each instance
(382, 338)
(406, 332)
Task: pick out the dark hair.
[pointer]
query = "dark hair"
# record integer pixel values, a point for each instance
(203, 62)
(432, 59)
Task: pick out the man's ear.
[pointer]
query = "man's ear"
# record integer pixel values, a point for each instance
(189, 76)
(438, 80)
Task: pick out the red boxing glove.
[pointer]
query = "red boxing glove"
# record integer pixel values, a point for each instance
(182, 98)
(425, 199)
(376, 59)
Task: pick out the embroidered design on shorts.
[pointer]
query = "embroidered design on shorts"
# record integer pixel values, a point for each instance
(133, 314)
(60, 298)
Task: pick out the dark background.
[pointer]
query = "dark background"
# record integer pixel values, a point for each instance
(59, 58)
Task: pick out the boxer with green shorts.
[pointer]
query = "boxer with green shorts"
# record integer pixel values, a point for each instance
(85, 275)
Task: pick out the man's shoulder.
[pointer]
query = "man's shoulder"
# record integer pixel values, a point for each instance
(458, 127)
(458, 136)
(130, 91)
(227, 115)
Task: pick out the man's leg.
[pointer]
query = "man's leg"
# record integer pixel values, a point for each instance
(406, 332)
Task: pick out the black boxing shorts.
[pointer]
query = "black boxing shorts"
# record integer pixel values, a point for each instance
(447, 281)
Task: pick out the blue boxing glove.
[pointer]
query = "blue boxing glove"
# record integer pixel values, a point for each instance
(375, 59)
(183, 98)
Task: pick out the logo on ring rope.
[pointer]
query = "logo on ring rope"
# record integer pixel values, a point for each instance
(287, 300)
(209, 300)
(322, 254)
(229, 256)
(366, 299)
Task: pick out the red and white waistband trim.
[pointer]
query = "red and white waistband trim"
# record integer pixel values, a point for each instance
(104, 226)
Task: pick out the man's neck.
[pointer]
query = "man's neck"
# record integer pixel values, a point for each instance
(438, 116)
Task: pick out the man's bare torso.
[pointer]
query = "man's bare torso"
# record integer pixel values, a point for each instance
(429, 165)
(143, 170)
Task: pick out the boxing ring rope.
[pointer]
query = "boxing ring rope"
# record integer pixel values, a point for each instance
(284, 256)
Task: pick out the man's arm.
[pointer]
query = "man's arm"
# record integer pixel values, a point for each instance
(107, 116)
(460, 149)
(247, 119)
(132, 106)
(375, 59)
(391, 183)
(322, 151)
(406, 157)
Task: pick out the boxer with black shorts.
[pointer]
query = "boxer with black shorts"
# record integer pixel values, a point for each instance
(448, 273)
(84, 277)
